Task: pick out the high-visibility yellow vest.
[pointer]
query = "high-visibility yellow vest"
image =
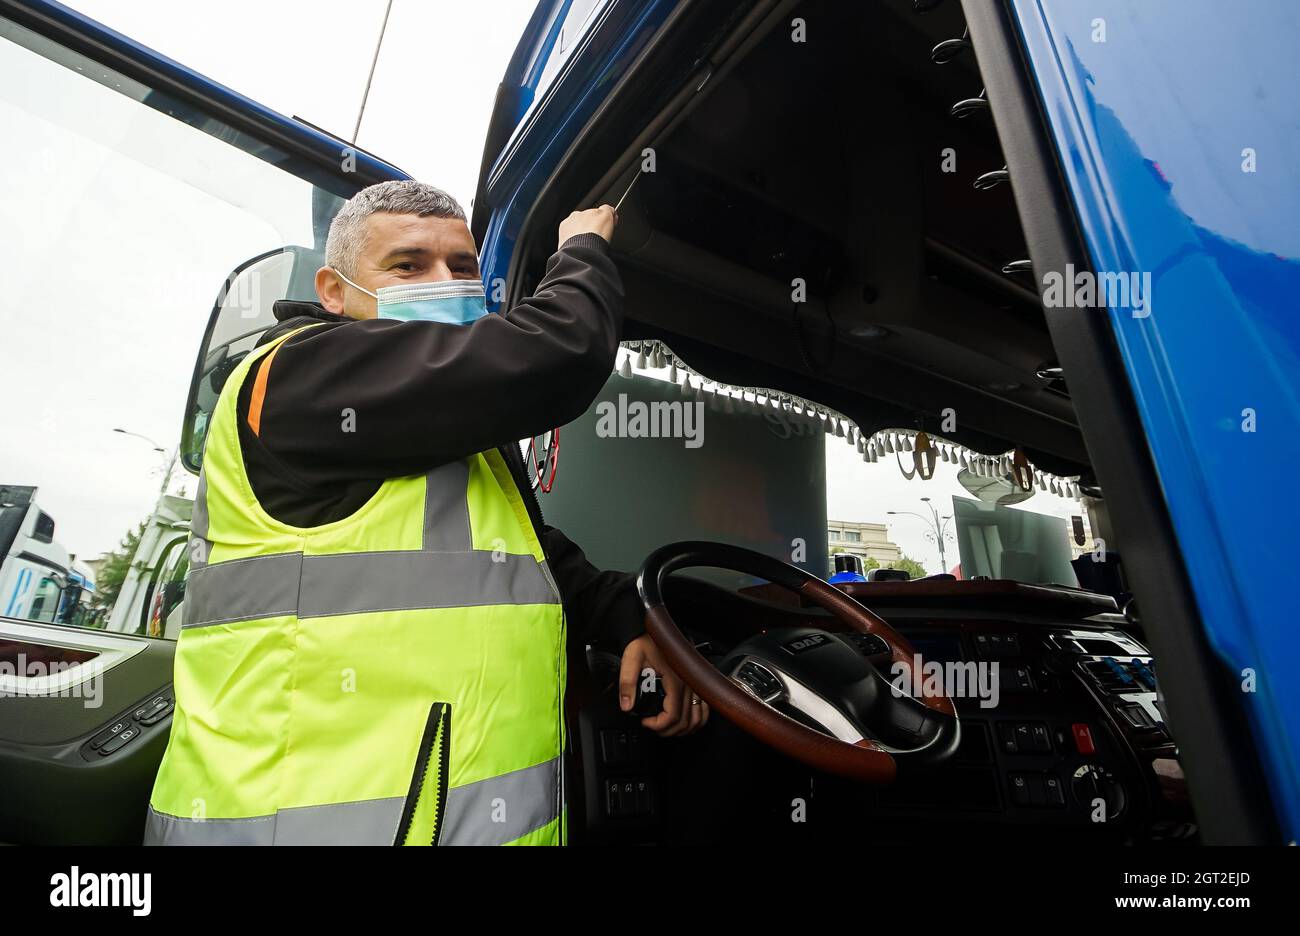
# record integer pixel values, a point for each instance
(395, 677)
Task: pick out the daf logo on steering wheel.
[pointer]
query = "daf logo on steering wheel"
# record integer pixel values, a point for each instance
(810, 642)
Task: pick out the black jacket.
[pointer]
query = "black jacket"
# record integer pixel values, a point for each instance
(421, 394)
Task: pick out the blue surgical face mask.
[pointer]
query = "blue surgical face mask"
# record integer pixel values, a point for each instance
(455, 302)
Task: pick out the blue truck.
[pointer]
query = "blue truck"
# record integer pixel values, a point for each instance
(1049, 246)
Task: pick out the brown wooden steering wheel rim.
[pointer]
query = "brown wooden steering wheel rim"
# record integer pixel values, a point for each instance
(864, 761)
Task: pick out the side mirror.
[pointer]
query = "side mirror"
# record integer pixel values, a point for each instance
(244, 310)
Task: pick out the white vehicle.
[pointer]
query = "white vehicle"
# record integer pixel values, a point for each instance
(35, 568)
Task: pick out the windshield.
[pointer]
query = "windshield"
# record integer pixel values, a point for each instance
(958, 521)
(124, 213)
(670, 456)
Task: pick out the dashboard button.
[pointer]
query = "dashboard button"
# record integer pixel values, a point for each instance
(122, 738)
(1053, 789)
(1007, 738)
(613, 799)
(613, 747)
(158, 714)
(1019, 789)
(644, 798)
(1024, 737)
(107, 735)
(1042, 741)
(150, 709)
(1083, 738)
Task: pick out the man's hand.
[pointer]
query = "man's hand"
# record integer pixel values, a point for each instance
(680, 716)
(592, 221)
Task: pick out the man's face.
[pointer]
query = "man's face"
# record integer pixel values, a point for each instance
(398, 249)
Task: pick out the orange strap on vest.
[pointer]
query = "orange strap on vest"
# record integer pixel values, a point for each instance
(259, 391)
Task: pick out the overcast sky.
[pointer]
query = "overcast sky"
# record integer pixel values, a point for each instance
(107, 314)
(434, 84)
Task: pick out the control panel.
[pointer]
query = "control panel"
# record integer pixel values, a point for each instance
(622, 778)
(131, 725)
(1042, 752)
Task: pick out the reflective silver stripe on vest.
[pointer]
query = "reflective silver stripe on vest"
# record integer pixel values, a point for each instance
(501, 809)
(242, 589)
(354, 583)
(199, 525)
(369, 822)
(550, 580)
(446, 507)
(446, 573)
(494, 811)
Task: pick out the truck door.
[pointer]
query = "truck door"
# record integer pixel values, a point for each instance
(146, 215)
(1166, 130)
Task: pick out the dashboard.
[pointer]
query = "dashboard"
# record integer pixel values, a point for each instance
(1072, 741)
(1076, 743)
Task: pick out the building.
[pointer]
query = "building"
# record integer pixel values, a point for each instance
(868, 540)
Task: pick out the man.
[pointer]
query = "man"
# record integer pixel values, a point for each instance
(374, 630)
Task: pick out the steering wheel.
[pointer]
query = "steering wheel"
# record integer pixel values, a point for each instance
(813, 695)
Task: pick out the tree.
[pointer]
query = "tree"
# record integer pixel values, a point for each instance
(913, 568)
(108, 582)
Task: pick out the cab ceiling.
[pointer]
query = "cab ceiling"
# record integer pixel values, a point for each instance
(822, 160)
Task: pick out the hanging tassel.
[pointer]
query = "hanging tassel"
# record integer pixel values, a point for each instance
(640, 356)
(625, 369)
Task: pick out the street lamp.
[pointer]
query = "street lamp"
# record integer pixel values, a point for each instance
(938, 528)
(166, 465)
(156, 446)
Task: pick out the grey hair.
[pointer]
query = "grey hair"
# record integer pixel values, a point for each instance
(348, 231)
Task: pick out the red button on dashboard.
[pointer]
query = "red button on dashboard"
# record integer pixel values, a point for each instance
(1083, 738)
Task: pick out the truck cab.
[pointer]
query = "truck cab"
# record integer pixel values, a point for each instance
(932, 292)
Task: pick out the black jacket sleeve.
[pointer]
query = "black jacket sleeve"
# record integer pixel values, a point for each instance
(380, 398)
(604, 604)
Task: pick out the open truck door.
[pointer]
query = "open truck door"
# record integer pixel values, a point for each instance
(930, 174)
(152, 217)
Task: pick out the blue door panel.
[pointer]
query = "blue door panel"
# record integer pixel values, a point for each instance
(578, 76)
(1151, 106)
